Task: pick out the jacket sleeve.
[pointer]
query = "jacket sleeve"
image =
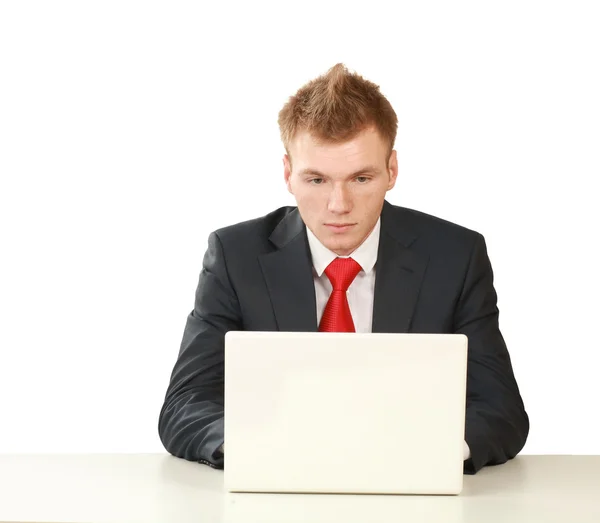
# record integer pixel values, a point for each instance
(191, 419)
(496, 425)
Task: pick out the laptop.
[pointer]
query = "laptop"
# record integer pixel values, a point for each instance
(312, 412)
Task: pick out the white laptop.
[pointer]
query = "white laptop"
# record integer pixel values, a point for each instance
(344, 413)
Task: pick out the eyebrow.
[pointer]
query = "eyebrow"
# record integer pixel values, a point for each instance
(313, 172)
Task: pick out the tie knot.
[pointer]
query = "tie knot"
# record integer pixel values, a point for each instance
(341, 273)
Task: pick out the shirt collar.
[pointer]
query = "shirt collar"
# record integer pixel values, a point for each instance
(365, 255)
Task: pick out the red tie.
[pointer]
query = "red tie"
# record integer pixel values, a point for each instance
(336, 316)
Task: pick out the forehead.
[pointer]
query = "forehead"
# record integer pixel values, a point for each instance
(307, 151)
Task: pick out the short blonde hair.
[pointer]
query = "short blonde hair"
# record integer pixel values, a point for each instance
(335, 107)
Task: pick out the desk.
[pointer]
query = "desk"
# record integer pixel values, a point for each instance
(160, 488)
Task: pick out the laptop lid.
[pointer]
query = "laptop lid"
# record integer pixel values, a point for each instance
(344, 412)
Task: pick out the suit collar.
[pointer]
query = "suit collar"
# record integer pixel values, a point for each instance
(394, 221)
(397, 223)
(287, 229)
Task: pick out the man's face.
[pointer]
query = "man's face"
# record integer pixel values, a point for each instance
(340, 188)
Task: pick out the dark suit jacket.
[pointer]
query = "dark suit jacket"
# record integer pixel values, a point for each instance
(432, 277)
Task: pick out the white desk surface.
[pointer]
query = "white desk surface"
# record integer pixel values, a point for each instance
(128, 488)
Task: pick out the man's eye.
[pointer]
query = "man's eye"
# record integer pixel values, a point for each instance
(362, 179)
(316, 181)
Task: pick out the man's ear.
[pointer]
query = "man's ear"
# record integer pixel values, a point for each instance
(393, 170)
(287, 172)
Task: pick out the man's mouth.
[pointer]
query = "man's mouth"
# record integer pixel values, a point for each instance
(340, 227)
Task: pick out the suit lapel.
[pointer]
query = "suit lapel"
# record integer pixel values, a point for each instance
(399, 273)
(289, 278)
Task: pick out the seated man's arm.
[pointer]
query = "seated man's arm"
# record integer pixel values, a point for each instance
(191, 419)
(496, 422)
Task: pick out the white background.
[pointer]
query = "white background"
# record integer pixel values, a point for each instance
(129, 131)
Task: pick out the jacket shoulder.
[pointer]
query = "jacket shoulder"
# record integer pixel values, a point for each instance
(254, 229)
(431, 234)
(424, 224)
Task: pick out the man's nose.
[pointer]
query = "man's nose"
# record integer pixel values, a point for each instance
(340, 200)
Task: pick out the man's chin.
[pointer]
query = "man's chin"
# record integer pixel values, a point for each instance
(340, 248)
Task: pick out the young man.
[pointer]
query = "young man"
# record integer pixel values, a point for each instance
(398, 270)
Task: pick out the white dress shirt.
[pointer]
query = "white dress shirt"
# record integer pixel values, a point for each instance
(361, 292)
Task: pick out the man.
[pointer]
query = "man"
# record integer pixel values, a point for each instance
(405, 271)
